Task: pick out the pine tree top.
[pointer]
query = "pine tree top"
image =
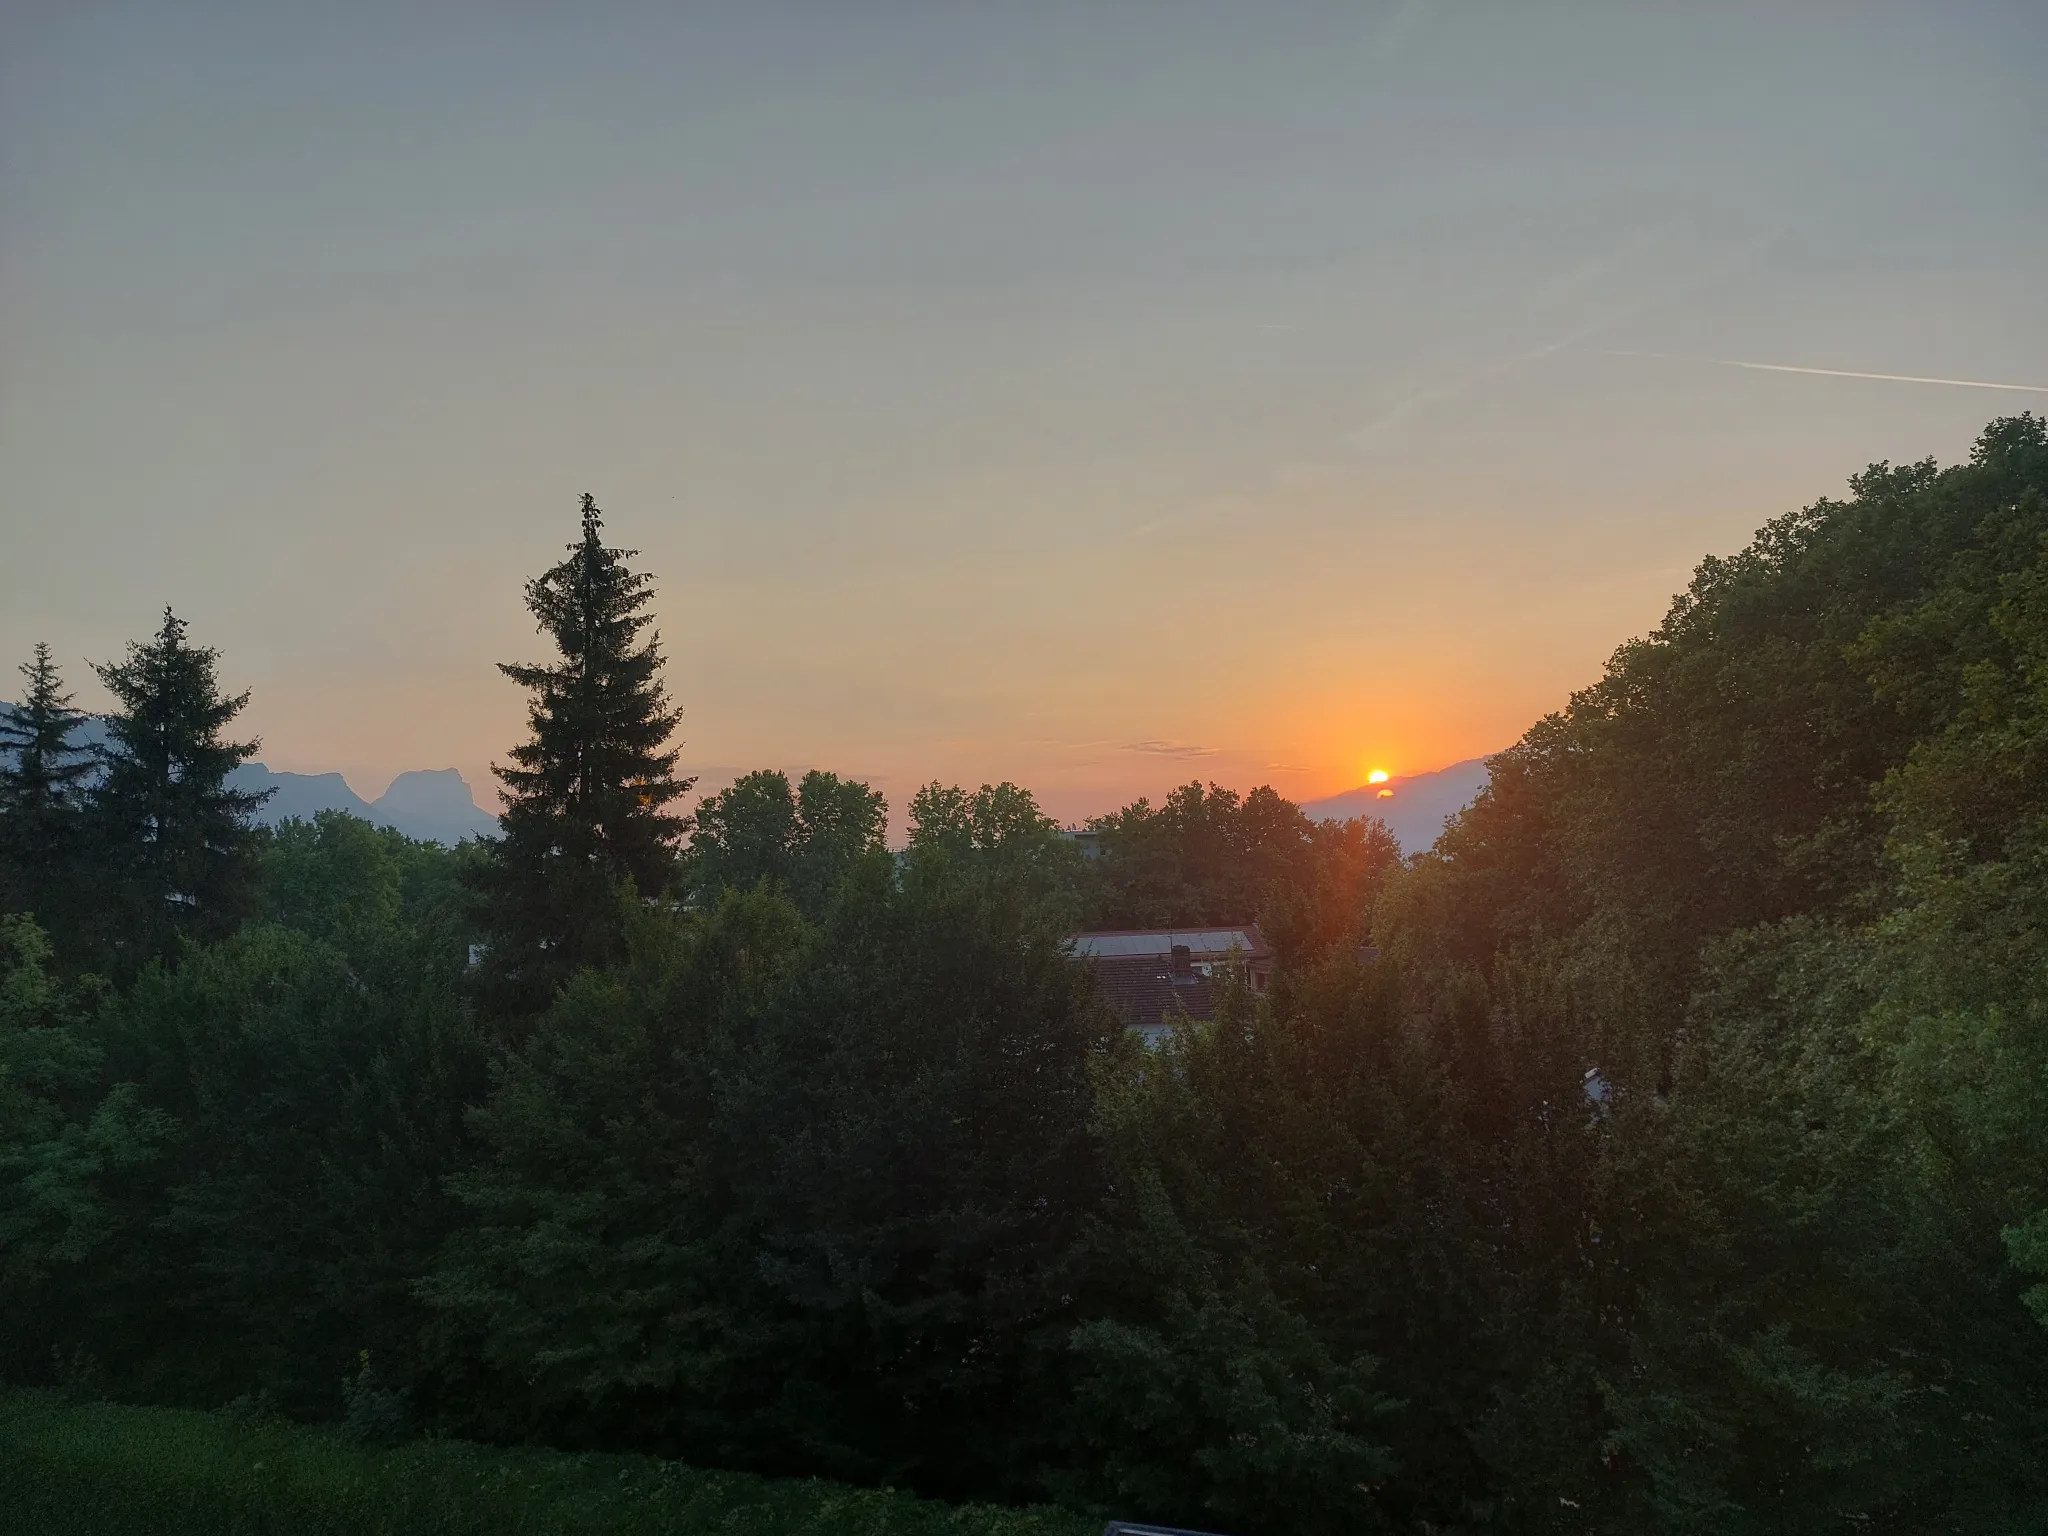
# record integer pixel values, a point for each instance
(38, 763)
(167, 731)
(600, 716)
(587, 794)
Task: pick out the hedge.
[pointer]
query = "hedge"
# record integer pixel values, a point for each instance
(112, 1471)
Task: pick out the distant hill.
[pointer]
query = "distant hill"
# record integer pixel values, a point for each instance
(303, 795)
(1416, 810)
(432, 804)
(435, 804)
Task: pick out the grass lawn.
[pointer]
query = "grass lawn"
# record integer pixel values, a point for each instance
(109, 1471)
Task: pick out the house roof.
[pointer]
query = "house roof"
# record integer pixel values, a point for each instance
(1202, 943)
(1134, 968)
(1148, 994)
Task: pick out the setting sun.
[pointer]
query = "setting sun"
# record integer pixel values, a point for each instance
(1377, 776)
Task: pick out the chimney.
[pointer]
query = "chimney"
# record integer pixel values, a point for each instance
(1183, 965)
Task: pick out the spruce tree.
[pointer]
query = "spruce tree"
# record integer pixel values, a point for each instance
(43, 782)
(178, 843)
(587, 796)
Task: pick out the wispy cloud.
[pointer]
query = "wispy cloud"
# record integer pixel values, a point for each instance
(1170, 749)
(1841, 373)
(1424, 399)
(1597, 274)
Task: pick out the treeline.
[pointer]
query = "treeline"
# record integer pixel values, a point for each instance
(127, 848)
(1679, 1165)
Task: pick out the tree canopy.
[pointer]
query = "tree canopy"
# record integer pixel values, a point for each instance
(1660, 1152)
(802, 840)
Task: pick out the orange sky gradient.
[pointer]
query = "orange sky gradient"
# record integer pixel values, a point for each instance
(1096, 399)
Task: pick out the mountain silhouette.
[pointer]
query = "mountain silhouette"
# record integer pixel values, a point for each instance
(1418, 807)
(432, 804)
(303, 795)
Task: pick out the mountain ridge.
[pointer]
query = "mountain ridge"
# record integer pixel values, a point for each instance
(438, 805)
(434, 805)
(1414, 806)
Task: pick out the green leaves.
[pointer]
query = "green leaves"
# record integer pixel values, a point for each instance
(222, 1179)
(790, 1193)
(1207, 856)
(1676, 1165)
(1228, 1409)
(66, 1141)
(803, 841)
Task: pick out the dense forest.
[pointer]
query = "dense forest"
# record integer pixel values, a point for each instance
(1674, 1159)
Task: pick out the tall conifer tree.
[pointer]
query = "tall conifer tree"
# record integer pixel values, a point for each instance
(179, 844)
(43, 780)
(587, 796)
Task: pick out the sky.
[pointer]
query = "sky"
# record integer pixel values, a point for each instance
(1096, 396)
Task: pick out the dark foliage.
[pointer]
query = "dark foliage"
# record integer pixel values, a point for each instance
(43, 784)
(587, 795)
(176, 853)
(788, 1195)
(802, 841)
(1671, 1161)
(1209, 856)
(238, 1173)
(100, 1470)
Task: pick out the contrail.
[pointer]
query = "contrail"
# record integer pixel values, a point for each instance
(1844, 373)
(1891, 378)
(1742, 256)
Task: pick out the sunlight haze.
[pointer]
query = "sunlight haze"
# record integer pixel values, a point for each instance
(1095, 397)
